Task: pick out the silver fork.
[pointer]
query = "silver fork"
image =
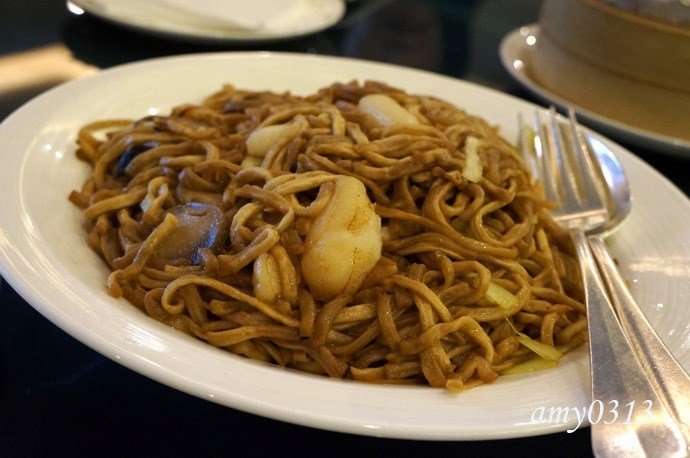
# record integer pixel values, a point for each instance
(619, 384)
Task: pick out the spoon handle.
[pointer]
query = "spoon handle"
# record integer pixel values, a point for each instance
(670, 381)
(618, 379)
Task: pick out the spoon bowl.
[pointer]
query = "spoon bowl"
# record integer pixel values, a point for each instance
(614, 187)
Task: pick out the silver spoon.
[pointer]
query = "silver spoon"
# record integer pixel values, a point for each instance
(572, 178)
(668, 378)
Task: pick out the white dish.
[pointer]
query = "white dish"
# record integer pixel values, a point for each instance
(514, 53)
(244, 14)
(44, 256)
(308, 16)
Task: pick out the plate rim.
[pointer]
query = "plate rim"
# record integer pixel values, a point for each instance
(514, 41)
(103, 346)
(206, 38)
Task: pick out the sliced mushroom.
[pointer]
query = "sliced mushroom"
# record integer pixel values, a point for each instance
(198, 226)
(129, 154)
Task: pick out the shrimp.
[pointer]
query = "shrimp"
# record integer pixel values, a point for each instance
(343, 243)
(266, 279)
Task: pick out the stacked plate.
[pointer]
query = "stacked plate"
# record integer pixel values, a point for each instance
(218, 20)
(625, 72)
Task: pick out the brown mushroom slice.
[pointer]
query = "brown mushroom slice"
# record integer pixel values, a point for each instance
(198, 226)
(129, 154)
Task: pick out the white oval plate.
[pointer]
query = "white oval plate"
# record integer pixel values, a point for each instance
(44, 256)
(309, 16)
(514, 51)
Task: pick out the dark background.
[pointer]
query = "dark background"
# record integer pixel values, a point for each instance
(59, 398)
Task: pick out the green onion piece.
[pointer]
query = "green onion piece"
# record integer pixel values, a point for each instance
(574, 343)
(473, 169)
(503, 298)
(532, 365)
(543, 350)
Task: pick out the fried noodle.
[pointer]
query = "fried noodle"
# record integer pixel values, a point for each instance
(308, 233)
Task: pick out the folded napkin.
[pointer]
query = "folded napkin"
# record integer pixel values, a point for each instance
(244, 14)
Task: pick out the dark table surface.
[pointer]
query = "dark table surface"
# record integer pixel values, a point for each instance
(60, 398)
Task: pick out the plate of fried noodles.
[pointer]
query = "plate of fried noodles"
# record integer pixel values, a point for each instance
(340, 244)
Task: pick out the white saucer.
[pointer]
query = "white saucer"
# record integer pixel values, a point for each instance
(307, 17)
(514, 53)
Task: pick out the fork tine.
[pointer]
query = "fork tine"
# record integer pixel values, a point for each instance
(526, 147)
(544, 160)
(587, 166)
(564, 160)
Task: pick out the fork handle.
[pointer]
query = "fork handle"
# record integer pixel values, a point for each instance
(671, 382)
(618, 379)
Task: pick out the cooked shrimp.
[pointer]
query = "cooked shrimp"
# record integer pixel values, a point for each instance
(343, 243)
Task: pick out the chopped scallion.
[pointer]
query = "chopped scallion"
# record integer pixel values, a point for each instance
(473, 169)
(532, 365)
(503, 298)
(543, 350)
